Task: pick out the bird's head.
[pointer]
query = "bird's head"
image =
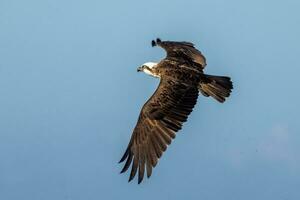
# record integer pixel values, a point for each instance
(148, 68)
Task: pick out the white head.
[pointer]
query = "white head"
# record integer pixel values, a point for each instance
(148, 68)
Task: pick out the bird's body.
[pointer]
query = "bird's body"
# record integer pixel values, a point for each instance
(181, 78)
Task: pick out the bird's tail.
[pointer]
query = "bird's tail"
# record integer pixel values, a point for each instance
(218, 87)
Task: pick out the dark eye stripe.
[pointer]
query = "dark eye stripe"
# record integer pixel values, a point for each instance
(148, 68)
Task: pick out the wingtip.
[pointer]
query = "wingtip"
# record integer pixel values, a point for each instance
(153, 43)
(148, 175)
(130, 178)
(125, 155)
(122, 160)
(140, 179)
(122, 171)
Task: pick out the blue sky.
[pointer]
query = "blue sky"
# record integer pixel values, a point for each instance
(70, 97)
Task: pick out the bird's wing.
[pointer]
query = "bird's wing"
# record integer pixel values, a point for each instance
(185, 50)
(160, 118)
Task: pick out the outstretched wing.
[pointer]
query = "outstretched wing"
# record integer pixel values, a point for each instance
(160, 118)
(185, 50)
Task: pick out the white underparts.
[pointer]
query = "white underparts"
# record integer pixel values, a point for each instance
(150, 73)
(151, 65)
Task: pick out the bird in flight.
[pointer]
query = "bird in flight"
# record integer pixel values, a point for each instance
(181, 78)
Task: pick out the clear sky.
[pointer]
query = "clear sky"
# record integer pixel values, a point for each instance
(70, 97)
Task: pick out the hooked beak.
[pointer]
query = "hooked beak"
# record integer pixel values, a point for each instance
(139, 69)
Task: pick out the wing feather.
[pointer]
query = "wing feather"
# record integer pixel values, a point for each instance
(185, 50)
(156, 146)
(135, 163)
(142, 154)
(128, 162)
(148, 160)
(160, 118)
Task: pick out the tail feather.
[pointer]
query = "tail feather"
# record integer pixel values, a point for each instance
(218, 87)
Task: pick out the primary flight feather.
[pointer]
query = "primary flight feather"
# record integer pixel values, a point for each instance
(181, 78)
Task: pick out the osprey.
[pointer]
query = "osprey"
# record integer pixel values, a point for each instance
(181, 78)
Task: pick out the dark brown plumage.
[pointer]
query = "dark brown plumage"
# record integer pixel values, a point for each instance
(181, 77)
